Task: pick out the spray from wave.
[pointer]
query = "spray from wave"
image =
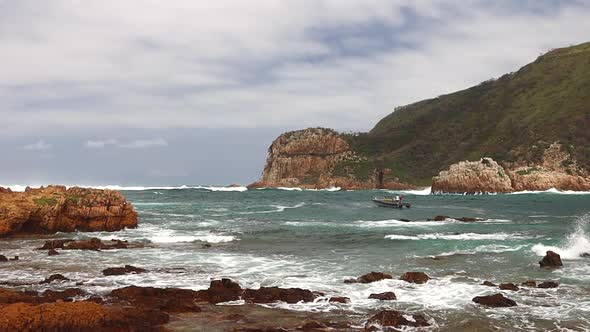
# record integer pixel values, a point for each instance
(575, 245)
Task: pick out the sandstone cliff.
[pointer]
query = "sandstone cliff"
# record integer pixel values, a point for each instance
(57, 209)
(557, 169)
(318, 158)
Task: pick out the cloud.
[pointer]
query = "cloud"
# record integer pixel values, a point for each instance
(343, 64)
(40, 145)
(135, 144)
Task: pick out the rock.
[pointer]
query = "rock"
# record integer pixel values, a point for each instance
(116, 271)
(312, 326)
(55, 244)
(95, 244)
(488, 283)
(496, 300)
(473, 177)
(585, 255)
(405, 220)
(166, 299)
(548, 284)
(66, 295)
(3, 258)
(52, 252)
(551, 260)
(387, 296)
(469, 219)
(223, 290)
(273, 294)
(77, 316)
(54, 277)
(393, 318)
(440, 218)
(57, 209)
(415, 277)
(509, 286)
(530, 283)
(369, 278)
(339, 299)
(206, 246)
(15, 258)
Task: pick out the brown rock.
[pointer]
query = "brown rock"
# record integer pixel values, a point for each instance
(488, 283)
(387, 296)
(52, 252)
(95, 244)
(473, 177)
(339, 299)
(509, 286)
(55, 209)
(54, 277)
(440, 218)
(273, 294)
(469, 219)
(415, 277)
(223, 290)
(551, 260)
(393, 318)
(312, 326)
(548, 284)
(369, 278)
(55, 244)
(166, 299)
(496, 300)
(116, 271)
(3, 258)
(530, 283)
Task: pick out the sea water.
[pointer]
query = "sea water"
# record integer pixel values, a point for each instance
(317, 239)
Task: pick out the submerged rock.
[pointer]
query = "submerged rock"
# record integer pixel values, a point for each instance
(3, 258)
(394, 318)
(339, 299)
(415, 277)
(116, 271)
(489, 283)
(551, 260)
(95, 244)
(369, 278)
(167, 299)
(496, 300)
(273, 294)
(387, 296)
(54, 277)
(509, 286)
(530, 283)
(548, 284)
(52, 252)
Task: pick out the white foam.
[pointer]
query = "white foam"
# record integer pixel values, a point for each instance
(420, 192)
(551, 191)
(576, 243)
(288, 188)
(172, 238)
(396, 223)
(461, 237)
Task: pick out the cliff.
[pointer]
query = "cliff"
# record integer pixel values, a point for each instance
(317, 158)
(513, 120)
(57, 209)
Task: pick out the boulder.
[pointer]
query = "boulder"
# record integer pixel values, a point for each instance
(509, 286)
(339, 299)
(223, 290)
(387, 296)
(394, 318)
(55, 244)
(548, 284)
(369, 278)
(530, 283)
(273, 294)
(52, 252)
(3, 258)
(166, 299)
(488, 283)
(496, 300)
(95, 244)
(415, 277)
(551, 260)
(116, 271)
(54, 277)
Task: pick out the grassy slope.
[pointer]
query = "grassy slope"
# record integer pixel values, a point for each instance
(510, 119)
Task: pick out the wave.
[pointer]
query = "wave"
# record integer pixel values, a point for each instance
(209, 238)
(461, 236)
(420, 192)
(576, 244)
(551, 191)
(394, 222)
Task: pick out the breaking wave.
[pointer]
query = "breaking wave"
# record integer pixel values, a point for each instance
(460, 237)
(575, 245)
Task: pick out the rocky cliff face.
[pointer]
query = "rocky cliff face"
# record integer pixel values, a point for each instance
(57, 209)
(308, 159)
(557, 169)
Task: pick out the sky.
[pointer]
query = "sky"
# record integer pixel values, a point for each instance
(147, 92)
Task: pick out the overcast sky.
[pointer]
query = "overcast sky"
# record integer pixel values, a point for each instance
(177, 92)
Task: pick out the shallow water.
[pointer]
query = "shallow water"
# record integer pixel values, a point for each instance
(316, 239)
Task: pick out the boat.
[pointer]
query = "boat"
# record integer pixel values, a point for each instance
(391, 202)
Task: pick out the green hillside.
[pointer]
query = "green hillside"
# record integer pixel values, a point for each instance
(513, 118)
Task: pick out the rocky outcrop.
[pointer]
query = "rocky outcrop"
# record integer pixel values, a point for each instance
(551, 260)
(393, 318)
(314, 158)
(415, 277)
(57, 209)
(387, 296)
(369, 278)
(496, 300)
(556, 169)
(117, 271)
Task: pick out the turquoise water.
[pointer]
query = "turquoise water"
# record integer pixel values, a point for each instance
(316, 239)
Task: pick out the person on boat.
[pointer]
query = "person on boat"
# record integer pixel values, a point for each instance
(401, 198)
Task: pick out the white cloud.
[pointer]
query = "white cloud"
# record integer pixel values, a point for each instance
(134, 144)
(268, 63)
(40, 145)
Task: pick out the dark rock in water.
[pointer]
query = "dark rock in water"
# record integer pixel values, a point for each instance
(116, 271)
(223, 290)
(548, 284)
(52, 252)
(65, 295)
(3, 258)
(509, 286)
(405, 220)
(15, 258)
(167, 299)
(273, 294)
(387, 296)
(206, 245)
(95, 244)
(55, 244)
(369, 278)
(394, 318)
(585, 255)
(440, 218)
(530, 283)
(312, 325)
(496, 300)
(54, 277)
(415, 277)
(339, 299)
(551, 260)
(489, 283)
(469, 219)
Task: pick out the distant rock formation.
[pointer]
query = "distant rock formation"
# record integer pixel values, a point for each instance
(309, 159)
(557, 169)
(57, 209)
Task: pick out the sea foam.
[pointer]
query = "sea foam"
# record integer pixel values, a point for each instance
(575, 245)
(460, 237)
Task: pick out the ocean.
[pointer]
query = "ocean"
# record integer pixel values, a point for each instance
(317, 239)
